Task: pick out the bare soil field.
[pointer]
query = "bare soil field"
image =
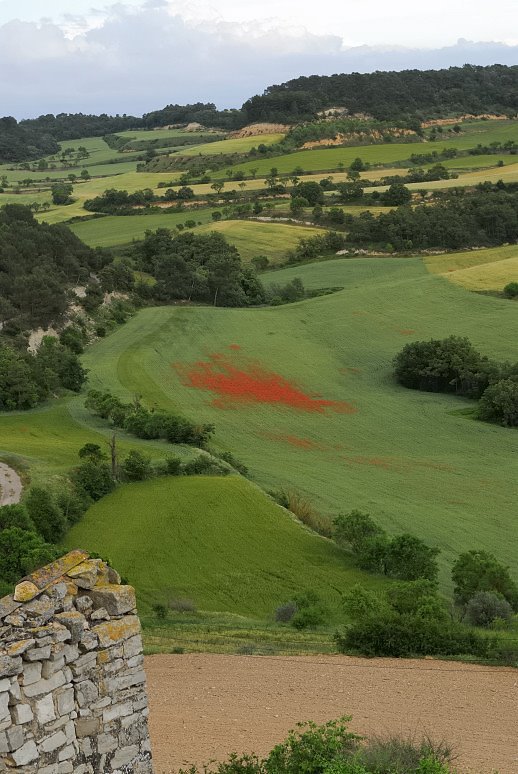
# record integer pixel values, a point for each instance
(204, 706)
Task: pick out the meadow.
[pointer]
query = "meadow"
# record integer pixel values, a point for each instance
(355, 439)
(489, 269)
(232, 145)
(220, 542)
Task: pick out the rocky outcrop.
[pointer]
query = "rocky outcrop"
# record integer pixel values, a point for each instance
(72, 685)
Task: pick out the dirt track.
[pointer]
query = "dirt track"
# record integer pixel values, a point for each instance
(204, 706)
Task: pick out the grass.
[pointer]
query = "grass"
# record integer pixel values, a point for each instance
(236, 145)
(261, 238)
(217, 541)
(111, 230)
(412, 459)
(489, 269)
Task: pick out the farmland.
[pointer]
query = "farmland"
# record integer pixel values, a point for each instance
(344, 447)
(488, 269)
(222, 543)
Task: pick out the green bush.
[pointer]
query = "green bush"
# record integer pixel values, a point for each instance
(45, 515)
(476, 571)
(93, 478)
(136, 466)
(485, 607)
(511, 290)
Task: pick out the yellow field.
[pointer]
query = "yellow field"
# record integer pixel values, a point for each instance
(489, 269)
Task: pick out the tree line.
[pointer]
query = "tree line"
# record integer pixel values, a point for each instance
(391, 95)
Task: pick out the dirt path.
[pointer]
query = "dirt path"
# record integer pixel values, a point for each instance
(204, 706)
(10, 485)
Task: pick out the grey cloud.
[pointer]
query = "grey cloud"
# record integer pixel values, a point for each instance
(141, 60)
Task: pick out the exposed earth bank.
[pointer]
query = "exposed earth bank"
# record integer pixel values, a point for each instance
(203, 706)
(10, 485)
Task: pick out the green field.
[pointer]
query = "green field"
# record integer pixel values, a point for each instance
(259, 238)
(233, 145)
(111, 230)
(218, 541)
(412, 459)
(488, 269)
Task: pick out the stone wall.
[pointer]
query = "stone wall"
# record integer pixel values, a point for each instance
(72, 685)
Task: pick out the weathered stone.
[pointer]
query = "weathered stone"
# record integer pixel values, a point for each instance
(22, 713)
(53, 572)
(31, 673)
(25, 591)
(4, 706)
(18, 648)
(100, 615)
(38, 654)
(15, 738)
(75, 623)
(65, 700)
(87, 727)
(10, 665)
(44, 709)
(117, 711)
(106, 743)
(88, 641)
(116, 600)
(53, 742)
(124, 756)
(113, 632)
(43, 607)
(83, 604)
(45, 686)
(85, 574)
(8, 605)
(24, 755)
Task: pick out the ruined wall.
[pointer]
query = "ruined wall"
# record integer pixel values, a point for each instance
(72, 686)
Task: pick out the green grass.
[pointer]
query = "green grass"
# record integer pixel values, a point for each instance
(261, 238)
(414, 460)
(111, 230)
(478, 162)
(488, 269)
(218, 541)
(236, 145)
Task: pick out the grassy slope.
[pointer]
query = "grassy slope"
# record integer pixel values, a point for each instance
(237, 145)
(410, 458)
(488, 269)
(258, 238)
(218, 541)
(113, 230)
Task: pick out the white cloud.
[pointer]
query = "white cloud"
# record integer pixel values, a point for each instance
(129, 59)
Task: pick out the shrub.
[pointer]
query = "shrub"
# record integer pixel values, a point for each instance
(499, 403)
(21, 552)
(352, 530)
(160, 611)
(408, 558)
(136, 466)
(310, 747)
(94, 479)
(182, 605)
(310, 611)
(173, 466)
(485, 607)
(203, 465)
(285, 612)
(229, 458)
(45, 514)
(304, 510)
(511, 290)
(476, 571)
(405, 754)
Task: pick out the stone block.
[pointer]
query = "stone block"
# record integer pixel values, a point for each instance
(10, 665)
(15, 738)
(25, 591)
(65, 700)
(115, 599)
(22, 713)
(20, 647)
(38, 654)
(84, 575)
(45, 686)
(124, 756)
(53, 742)
(114, 632)
(24, 755)
(54, 571)
(44, 709)
(74, 621)
(106, 743)
(31, 673)
(87, 727)
(4, 705)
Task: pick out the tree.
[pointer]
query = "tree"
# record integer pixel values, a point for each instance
(91, 451)
(499, 403)
(310, 191)
(218, 186)
(21, 552)
(94, 478)
(408, 558)
(476, 571)
(485, 607)
(511, 290)
(352, 530)
(45, 515)
(136, 466)
(61, 193)
(396, 195)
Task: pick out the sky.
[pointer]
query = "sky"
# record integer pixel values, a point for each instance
(138, 55)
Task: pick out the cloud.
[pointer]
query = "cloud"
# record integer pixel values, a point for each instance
(134, 60)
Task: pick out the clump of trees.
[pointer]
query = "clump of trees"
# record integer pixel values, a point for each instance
(143, 423)
(404, 557)
(27, 379)
(197, 267)
(453, 365)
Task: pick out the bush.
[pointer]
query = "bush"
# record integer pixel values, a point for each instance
(45, 515)
(160, 611)
(310, 611)
(182, 605)
(499, 403)
(352, 530)
(136, 466)
(229, 458)
(203, 465)
(511, 290)
(94, 479)
(310, 747)
(485, 607)
(173, 466)
(476, 571)
(21, 552)
(285, 612)
(408, 558)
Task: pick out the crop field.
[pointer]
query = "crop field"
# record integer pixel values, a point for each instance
(158, 134)
(478, 162)
(303, 394)
(488, 269)
(259, 238)
(111, 230)
(235, 145)
(220, 542)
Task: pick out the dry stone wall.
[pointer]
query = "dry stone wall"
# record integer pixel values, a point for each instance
(72, 685)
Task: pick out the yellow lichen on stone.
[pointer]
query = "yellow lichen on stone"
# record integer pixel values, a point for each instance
(112, 632)
(52, 572)
(25, 591)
